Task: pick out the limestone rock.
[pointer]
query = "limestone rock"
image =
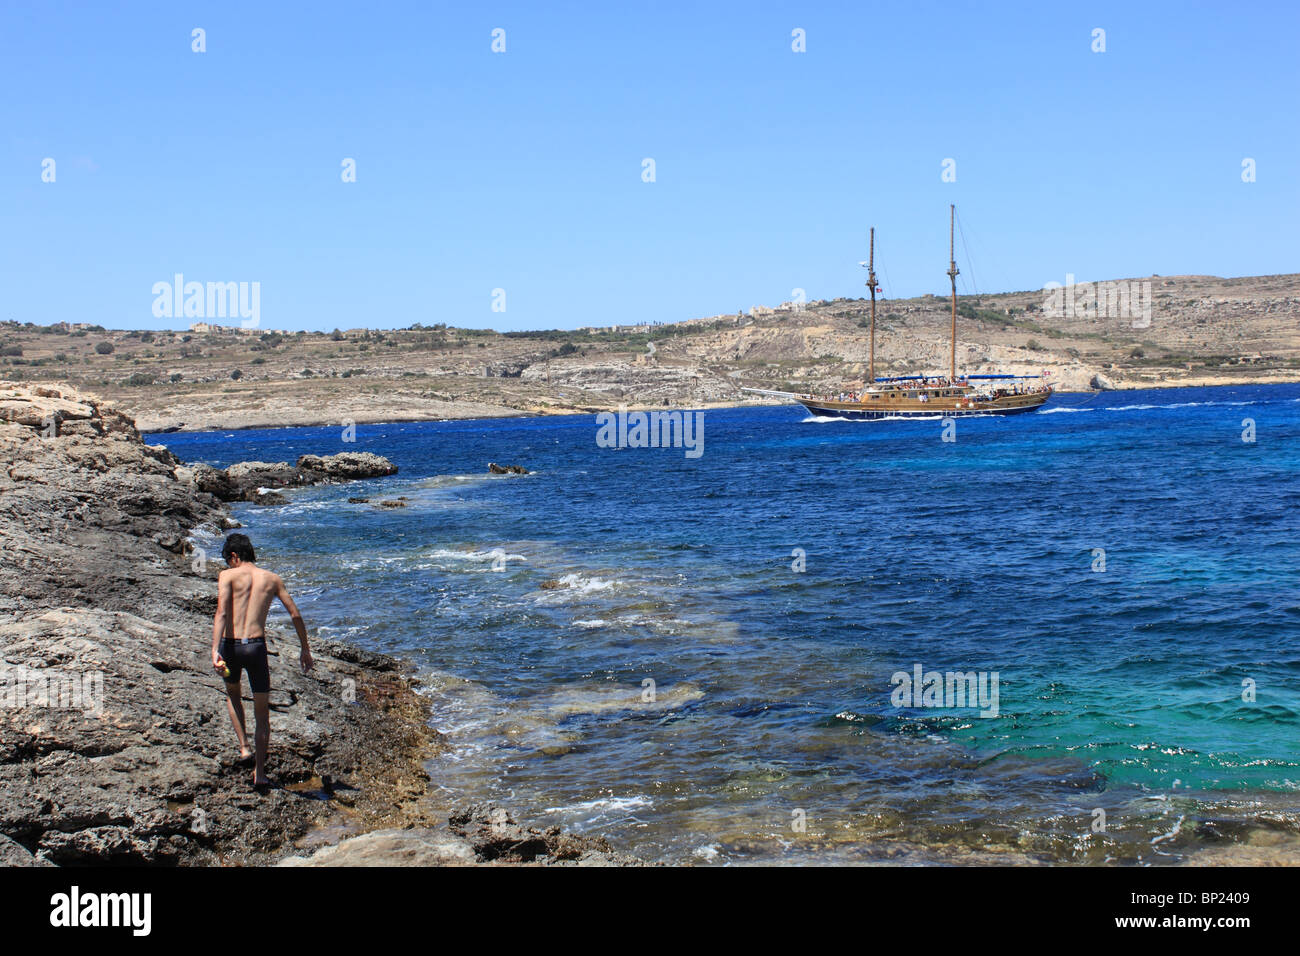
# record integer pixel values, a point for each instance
(258, 481)
(347, 466)
(119, 750)
(416, 847)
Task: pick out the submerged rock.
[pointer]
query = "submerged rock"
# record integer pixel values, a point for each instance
(496, 469)
(481, 834)
(416, 847)
(496, 837)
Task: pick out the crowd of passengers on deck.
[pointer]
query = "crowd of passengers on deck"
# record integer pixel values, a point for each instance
(925, 385)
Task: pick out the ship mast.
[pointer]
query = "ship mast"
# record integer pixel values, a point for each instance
(952, 275)
(871, 284)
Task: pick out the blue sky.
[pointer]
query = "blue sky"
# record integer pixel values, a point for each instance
(523, 170)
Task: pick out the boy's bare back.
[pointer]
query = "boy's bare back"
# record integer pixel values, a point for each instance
(249, 591)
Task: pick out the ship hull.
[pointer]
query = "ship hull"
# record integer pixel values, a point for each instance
(1010, 405)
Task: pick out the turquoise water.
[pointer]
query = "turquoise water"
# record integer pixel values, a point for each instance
(537, 606)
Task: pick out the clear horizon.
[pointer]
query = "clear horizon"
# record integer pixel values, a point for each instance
(524, 171)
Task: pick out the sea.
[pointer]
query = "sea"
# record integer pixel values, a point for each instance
(1068, 636)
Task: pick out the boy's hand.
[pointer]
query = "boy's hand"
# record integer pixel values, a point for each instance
(305, 660)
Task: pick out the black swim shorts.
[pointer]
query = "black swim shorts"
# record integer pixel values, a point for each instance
(250, 656)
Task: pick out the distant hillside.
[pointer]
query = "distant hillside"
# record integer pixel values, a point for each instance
(1196, 330)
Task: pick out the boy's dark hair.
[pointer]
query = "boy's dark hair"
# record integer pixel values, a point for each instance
(238, 544)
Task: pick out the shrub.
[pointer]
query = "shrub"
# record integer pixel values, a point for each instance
(142, 378)
(176, 377)
(104, 348)
(236, 375)
(11, 350)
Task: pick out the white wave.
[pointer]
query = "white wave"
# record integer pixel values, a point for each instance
(301, 507)
(1061, 409)
(496, 554)
(603, 806)
(591, 625)
(659, 622)
(444, 481)
(1127, 408)
(346, 633)
(1178, 826)
(577, 585)
(377, 562)
(708, 853)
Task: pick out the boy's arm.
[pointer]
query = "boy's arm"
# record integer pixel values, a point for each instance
(296, 616)
(221, 620)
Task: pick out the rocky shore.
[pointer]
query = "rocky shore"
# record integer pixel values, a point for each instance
(114, 742)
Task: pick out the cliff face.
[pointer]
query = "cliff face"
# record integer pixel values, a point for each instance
(114, 742)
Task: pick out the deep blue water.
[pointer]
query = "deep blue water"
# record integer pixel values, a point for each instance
(537, 606)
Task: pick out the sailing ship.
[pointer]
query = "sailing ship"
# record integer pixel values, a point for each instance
(925, 396)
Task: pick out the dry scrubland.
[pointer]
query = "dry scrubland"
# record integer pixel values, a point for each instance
(1204, 330)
